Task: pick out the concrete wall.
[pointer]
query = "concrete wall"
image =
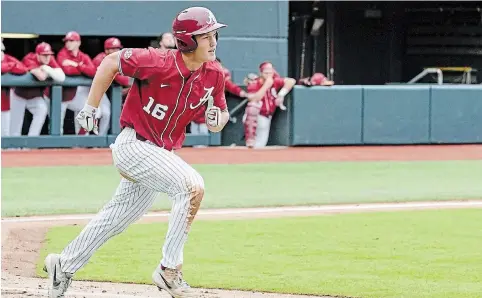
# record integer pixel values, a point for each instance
(256, 31)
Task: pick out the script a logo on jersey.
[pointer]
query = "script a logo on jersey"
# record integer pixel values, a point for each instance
(203, 99)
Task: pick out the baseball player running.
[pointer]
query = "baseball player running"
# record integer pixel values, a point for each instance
(269, 91)
(41, 65)
(11, 65)
(169, 88)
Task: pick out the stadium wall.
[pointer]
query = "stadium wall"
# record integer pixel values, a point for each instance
(256, 31)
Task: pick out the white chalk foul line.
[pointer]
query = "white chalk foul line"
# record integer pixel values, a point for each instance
(246, 211)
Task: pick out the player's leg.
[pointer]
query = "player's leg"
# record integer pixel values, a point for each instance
(77, 103)
(131, 200)
(17, 113)
(38, 108)
(148, 169)
(194, 128)
(63, 110)
(262, 131)
(105, 109)
(203, 128)
(5, 123)
(250, 120)
(166, 172)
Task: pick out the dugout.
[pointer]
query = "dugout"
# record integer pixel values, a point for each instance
(381, 42)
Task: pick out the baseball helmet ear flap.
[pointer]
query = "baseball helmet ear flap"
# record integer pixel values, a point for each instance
(190, 48)
(191, 22)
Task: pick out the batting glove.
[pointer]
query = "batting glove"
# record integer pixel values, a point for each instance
(88, 120)
(213, 116)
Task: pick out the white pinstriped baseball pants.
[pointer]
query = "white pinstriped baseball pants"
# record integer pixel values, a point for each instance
(154, 170)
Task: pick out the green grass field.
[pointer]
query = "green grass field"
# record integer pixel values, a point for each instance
(412, 254)
(59, 190)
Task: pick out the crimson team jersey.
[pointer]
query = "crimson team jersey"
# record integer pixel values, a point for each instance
(11, 65)
(166, 95)
(85, 67)
(268, 106)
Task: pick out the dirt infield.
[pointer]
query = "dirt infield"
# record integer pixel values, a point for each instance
(22, 237)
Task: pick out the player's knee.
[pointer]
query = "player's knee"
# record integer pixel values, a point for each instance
(193, 184)
(196, 190)
(196, 185)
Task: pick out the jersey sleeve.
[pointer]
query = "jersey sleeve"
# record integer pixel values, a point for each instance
(29, 63)
(139, 63)
(87, 67)
(219, 96)
(98, 60)
(252, 87)
(278, 83)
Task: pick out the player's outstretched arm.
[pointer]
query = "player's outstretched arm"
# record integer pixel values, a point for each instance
(103, 78)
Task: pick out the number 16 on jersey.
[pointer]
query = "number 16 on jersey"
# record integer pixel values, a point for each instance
(158, 111)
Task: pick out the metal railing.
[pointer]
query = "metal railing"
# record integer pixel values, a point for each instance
(440, 76)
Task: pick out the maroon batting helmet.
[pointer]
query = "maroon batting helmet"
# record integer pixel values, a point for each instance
(190, 22)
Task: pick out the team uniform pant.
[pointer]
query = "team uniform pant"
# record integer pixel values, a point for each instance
(199, 128)
(147, 170)
(36, 106)
(5, 123)
(256, 127)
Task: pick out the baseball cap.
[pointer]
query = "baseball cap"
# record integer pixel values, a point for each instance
(318, 78)
(44, 49)
(112, 43)
(71, 35)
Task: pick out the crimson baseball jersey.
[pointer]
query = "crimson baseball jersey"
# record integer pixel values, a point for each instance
(268, 106)
(31, 62)
(166, 95)
(119, 79)
(85, 67)
(11, 65)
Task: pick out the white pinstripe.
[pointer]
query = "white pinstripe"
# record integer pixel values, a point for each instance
(155, 170)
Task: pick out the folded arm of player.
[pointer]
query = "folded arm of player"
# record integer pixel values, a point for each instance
(57, 74)
(288, 85)
(103, 78)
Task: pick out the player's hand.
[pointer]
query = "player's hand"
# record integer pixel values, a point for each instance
(269, 81)
(88, 120)
(280, 102)
(213, 117)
